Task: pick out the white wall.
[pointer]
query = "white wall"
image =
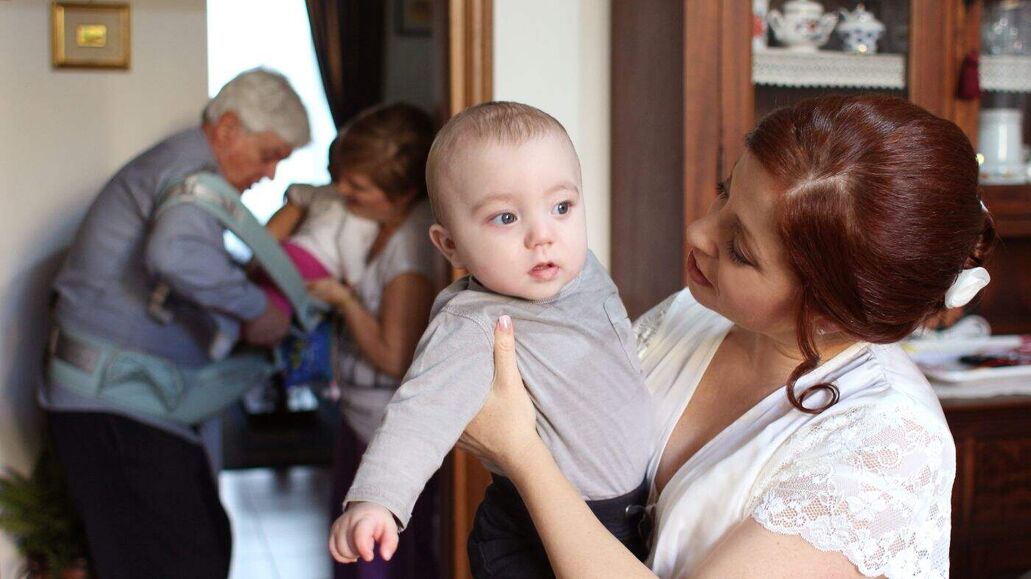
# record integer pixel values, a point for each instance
(555, 56)
(62, 134)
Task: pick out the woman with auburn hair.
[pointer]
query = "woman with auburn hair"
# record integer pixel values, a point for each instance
(796, 438)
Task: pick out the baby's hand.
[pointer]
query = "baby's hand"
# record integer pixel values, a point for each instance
(357, 531)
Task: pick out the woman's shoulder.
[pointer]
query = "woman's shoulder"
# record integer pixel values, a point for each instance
(871, 478)
(678, 320)
(878, 378)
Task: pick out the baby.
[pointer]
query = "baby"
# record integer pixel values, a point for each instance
(504, 181)
(329, 241)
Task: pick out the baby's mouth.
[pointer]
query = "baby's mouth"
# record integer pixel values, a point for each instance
(545, 271)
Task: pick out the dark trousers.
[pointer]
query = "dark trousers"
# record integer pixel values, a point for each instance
(148, 499)
(504, 543)
(417, 555)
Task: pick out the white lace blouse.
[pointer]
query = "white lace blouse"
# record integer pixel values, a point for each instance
(871, 477)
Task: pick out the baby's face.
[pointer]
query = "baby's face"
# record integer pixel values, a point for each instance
(516, 215)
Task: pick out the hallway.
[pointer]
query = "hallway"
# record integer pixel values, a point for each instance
(280, 522)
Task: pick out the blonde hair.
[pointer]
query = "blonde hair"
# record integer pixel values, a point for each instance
(498, 122)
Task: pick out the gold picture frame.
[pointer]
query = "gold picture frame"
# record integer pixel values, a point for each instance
(90, 35)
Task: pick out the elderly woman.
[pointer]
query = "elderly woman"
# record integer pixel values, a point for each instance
(796, 439)
(381, 161)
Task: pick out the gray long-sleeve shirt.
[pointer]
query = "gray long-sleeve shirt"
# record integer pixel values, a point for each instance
(578, 357)
(120, 253)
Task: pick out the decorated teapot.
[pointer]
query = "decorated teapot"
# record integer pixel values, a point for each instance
(860, 30)
(803, 26)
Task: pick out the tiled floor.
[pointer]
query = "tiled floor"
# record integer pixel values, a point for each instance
(280, 522)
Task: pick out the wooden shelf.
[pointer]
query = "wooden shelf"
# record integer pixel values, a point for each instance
(1006, 73)
(1011, 207)
(826, 68)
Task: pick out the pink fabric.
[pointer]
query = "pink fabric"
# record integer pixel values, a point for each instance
(307, 265)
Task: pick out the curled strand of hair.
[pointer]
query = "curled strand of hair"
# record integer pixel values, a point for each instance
(985, 243)
(811, 361)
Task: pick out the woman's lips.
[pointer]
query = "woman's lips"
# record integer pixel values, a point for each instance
(544, 271)
(695, 273)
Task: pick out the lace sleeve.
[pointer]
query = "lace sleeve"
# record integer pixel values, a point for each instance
(872, 484)
(649, 322)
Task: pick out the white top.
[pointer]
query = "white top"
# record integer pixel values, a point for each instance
(336, 238)
(365, 391)
(871, 477)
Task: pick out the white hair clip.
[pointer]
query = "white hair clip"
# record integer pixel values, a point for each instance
(967, 284)
(984, 208)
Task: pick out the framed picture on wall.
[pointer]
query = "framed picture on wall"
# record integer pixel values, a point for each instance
(90, 35)
(414, 17)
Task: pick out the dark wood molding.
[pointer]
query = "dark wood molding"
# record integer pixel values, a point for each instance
(470, 62)
(930, 71)
(471, 52)
(704, 87)
(647, 165)
(737, 107)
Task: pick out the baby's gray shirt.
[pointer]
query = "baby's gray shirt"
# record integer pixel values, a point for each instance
(578, 357)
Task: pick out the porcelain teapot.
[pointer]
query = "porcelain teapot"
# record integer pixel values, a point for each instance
(860, 30)
(803, 26)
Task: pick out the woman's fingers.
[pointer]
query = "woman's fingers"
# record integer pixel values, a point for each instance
(506, 372)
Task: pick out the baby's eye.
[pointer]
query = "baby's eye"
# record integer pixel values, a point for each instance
(504, 219)
(562, 208)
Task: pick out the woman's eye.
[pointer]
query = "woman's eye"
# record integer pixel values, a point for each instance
(562, 208)
(735, 255)
(504, 219)
(721, 190)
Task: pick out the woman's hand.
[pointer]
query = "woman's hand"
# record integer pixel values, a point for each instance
(506, 425)
(330, 291)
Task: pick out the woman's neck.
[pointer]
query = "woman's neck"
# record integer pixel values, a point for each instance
(777, 356)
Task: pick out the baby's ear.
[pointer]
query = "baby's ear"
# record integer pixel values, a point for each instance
(443, 241)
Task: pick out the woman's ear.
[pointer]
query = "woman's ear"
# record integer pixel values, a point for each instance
(443, 241)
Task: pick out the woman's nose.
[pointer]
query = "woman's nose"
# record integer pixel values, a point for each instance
(701, 234)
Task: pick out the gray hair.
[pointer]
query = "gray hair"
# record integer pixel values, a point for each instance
(264, 101)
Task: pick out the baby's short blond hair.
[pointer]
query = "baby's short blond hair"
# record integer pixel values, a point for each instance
(499, 122)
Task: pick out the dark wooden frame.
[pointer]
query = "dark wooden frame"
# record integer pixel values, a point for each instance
(469, 63)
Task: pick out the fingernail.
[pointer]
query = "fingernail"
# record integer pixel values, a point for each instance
(505, 323)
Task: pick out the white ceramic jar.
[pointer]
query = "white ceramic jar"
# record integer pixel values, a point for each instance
(1000, 140)
(860, 30)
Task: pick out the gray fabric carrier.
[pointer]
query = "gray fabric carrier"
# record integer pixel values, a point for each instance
(139, 382)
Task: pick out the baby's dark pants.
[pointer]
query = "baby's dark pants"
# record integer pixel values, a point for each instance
(504, 542)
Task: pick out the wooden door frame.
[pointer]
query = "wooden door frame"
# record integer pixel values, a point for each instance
(470, 80)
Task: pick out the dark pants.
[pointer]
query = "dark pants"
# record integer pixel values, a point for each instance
(504, 543)
(148, 499)
(417, 555)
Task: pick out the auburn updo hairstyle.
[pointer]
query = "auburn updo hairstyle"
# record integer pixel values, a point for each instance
(879, 211)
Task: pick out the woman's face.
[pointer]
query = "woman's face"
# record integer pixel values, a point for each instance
(736, 264)
(365, 199)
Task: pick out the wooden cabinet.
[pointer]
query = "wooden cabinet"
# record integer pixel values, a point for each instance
(991, 500)
(686, 88)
